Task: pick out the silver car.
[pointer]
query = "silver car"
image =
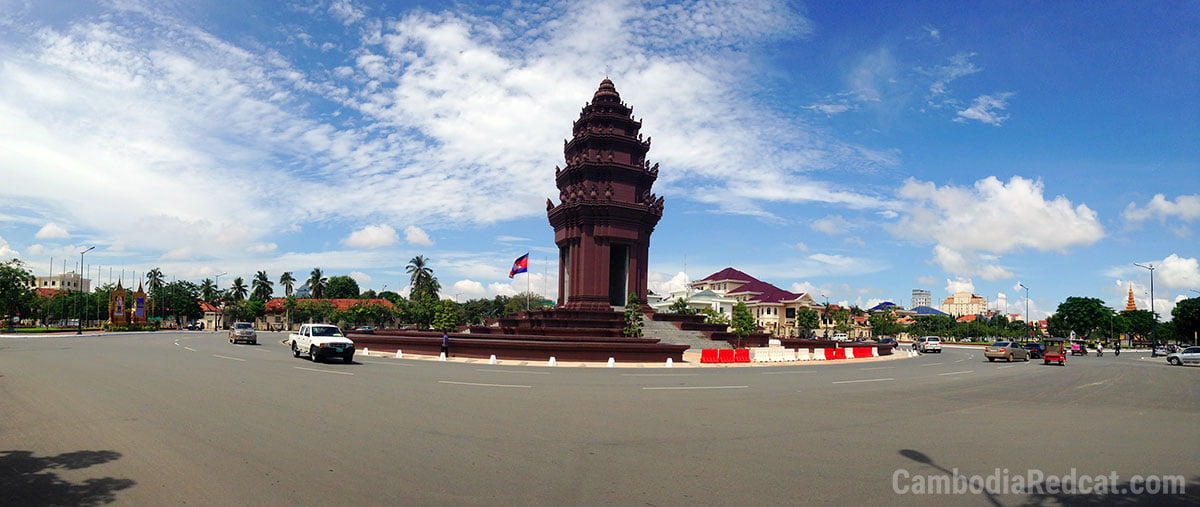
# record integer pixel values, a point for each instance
(1190, 355)
(243, 332)
(1007, 351)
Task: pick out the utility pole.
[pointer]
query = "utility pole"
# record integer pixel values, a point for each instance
(1153, 330)
(79, 330)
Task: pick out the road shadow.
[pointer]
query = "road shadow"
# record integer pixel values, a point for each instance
(26, 479)
(1070, 491)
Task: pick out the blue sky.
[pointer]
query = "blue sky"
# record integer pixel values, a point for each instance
(853, 151)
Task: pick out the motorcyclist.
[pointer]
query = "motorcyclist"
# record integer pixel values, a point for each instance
(1099, 349)
(1117, 350)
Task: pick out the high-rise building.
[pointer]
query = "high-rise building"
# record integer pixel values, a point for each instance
(921, 297)
(964, 303)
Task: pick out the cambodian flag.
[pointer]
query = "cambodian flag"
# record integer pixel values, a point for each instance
(521, 265)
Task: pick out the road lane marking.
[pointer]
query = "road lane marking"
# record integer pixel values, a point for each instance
(686, 388)
(191, 349)
(1102, 382)
(931, 364)
(322, 371)
(489, 370)
(227, 357)
(387, 363)
(957, 372)
(864, 380)
(482, 385)
(878, 368)
(1007, 366)
(659, 374)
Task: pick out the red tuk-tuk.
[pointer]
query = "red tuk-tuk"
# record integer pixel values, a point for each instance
(1056, 350)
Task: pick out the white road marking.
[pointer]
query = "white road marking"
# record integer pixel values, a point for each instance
(191, 349)
(489, 370)
(932, 364)
(878, 368)
(1008, 366)
(482, 385)
(957, 372)
(1102, 382)
(864, 380)
(227, 357)
(387, 363)
(322, 371)
(685, 388)
(659, 374)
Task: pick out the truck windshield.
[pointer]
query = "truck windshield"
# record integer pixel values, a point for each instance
(326, 331)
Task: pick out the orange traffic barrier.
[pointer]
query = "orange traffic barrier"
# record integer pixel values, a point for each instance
(860, 352)
(741, 355)
(708, 356)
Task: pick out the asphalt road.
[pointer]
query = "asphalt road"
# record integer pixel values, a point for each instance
(173, 418)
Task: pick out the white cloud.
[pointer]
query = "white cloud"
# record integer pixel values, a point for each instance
(417, 236)
(52, 231)
(1177, 272)
(372, 236)
(986, 109)
(960, 285)
(1185, 208)
(362, 278)
(855, 240)
(346, 11)
(830, 109)
(832, 224)
(512, 239)
(928, 280)
(467, 290)
(661, 285)
(7, 253)
(960, 65)
(802, 247)
(970, 226)
(262, 248)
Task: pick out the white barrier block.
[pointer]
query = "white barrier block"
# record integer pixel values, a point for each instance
(776, 355)
(611, 362)
(819, 354)
(441, 356)
(553, 361)
(759, 354)
(366, 352)
(874, 351)
(789, 355)
(399, 354)
(802, 355)
(670, 363)
(492, 360)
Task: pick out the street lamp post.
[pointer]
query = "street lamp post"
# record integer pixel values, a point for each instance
(79, 330)
(1154, 316)
(1027, 323)
(825, 316)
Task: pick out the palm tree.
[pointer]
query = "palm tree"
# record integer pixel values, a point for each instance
(419, 273)
(208, 290)
(287, 281)
(316, 283)
(154, 280)
(238, 290)
(262, 286)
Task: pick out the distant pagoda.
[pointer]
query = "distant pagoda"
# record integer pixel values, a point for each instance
(606, 211)
(1129, 304)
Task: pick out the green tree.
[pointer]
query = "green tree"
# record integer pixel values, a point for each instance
(341, 287)
(1083, 315)
(316, 283)
(419, 273)
(288, 282)
(262, 287)
(633, 317)
(445, 316)
(155, 282)
(807, 320)
(841, 320)
(1138, 322)
(521, 301)
(883, 322)
(743, 322)
(368, 294)
(680, 306)
(1186, 319)
(179, 300)
(238, 289)
(1057, 325)
(208, 291)
(714, 317)
(15, 295)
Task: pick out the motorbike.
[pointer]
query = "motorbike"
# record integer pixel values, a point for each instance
(1099, 352)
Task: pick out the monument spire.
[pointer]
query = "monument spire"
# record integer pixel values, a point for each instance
(1129, 304)
(606, 210)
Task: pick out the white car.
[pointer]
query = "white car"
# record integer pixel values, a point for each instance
(320, 341)
(927, 344)
(1190, 355)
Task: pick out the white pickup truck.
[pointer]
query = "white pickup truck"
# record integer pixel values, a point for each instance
(320, 341)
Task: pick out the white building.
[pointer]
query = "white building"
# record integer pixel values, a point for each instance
(964, 303)
(63, 281)
(921, 297)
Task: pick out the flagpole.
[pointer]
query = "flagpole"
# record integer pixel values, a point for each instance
(528, 291)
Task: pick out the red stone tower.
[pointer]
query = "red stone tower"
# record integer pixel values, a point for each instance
(606, 212)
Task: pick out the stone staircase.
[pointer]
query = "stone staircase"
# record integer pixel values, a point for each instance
(668, 333)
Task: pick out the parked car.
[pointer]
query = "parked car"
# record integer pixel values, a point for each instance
(889, 341)
(928, 344)
(1036, 350)
(1190, 355)
(364, 330)
(319, 341)
(1006, 350)
(243, 332)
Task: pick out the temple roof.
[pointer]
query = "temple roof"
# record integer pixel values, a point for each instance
(608, 91)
